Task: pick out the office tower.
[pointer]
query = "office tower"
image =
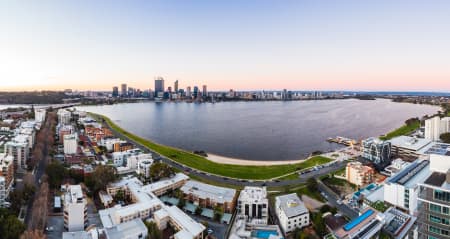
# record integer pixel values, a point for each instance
(115, 91)
(159, 85)
(204, 92)
(124, 90)
(175, 86)
(169, 89)
(188, 91)
(195, 92)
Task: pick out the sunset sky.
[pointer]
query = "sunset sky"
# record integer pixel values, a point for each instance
(243, 45)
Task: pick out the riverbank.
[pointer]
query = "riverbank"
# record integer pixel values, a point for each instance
(249, 172)
(236, 161)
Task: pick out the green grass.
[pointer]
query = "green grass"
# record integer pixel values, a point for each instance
(289, 177)
(234, 171)
(404, 130)
(215, 183)
(379, 206)
(337, 182)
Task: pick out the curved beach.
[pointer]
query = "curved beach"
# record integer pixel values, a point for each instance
(235, 161)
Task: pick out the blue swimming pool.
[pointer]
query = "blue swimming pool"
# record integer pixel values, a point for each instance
(349, 226)
(264, 234)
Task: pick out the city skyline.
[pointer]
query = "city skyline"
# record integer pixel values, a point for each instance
(255, 45)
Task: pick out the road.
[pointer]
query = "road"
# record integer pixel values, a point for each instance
(332, 199)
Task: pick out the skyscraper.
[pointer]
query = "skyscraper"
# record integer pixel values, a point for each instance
(115, 91)
(195, 92)
(124, 90)
(159, 85)
(188, 91)
(175, 86)
(204, 92)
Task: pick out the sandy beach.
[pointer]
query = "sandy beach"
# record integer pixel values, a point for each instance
(235, 161)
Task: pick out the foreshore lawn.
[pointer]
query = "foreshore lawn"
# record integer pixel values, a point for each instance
(228, 170)
(404, 130)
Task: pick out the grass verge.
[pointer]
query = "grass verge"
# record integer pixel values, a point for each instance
(404, 130)
(229, 170)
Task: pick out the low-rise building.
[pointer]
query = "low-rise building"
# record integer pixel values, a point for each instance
(291, 212)
(186, 227)
(365, 226)
(408, 147)
(75, 209)
(144, 167)
(6, 177)
(209, 196)
(134, 229)
(377, 151)
(253, 204)
(359, 174)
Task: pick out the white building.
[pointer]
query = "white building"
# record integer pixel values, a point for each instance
(18, 148)
(120, 158)
(109, 143)
(186, 227)
(70, 143)
(407, 146)
(401, 190)
(132, 161)
(39, 115)
(64, 116)
(253, 204)
(134, 229)
(144, 167)
(3, 191)
(6, 177)
(75, 209)
(291, 212)
(436, 126)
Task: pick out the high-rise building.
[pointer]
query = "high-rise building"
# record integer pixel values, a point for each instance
(159, 85)
(205, 91)
(195, 92)
(124, 90)
(64, 117)
(75, 210)
(175, 86)
(39, 115)
(19, 150)
(188, 91)
(359, 174)
(433, 128)
(6, 177)
(115, 91)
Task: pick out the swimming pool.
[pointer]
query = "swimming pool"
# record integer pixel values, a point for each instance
(349, 226)
(264, 234)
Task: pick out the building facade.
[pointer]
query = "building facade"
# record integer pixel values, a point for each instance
(19, 149)
(70, 144)
(253, 204)
(359, 174)
(291, 212)
(377, 151)
(75, 209)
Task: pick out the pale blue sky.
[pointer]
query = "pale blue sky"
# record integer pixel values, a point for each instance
(355, 45)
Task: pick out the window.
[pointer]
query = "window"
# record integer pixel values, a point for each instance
(441, 195)
(435, 208)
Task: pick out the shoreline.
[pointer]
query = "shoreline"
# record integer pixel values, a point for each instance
(236, 161)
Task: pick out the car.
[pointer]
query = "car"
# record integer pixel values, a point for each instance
(339, 202)
(210, 231)
(49, 229)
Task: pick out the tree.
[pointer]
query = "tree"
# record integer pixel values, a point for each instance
(56, 173)
(10, 226)
(101, 177)
(160, 170)
(311, 184)
(120, 196)
(445, 137)
(153, 230)
(33, 234)
(218, 212)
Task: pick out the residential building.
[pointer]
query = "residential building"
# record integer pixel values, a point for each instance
(436, 126)
(144, 166)
(109, 143)
(123, 90)
(134, 229)
(132, 161)
(122, 146)
(367, 225)
(359, 174)
(6, 177)
(70, 144)
(185, 226)
(120, 158)
(64, 116)
(253, 204)
(19, 150)
(377, 151)
(396, 166)
(291, 212)
(39, 115)
(209, 196)
(75, 209)
(115, 91)
(434, 209)
(401, 190)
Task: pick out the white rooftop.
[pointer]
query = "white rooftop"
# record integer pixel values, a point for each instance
(164, 183)
(408, 142)
(291, 205)
(73, 194)
(253, 193)
(187, 223)
(125, 230)
(204, 191)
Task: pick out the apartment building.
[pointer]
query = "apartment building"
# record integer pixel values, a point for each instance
(18, 148)
(70, 143)
(291, 212)
(253, 204)
(75, 209)
(359, 174)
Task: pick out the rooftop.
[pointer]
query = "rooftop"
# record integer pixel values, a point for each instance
(436, 179)
(397, 223)
(437, 148)
(253, 193)
(411, 143)
(202, 190)
(412, 174)
(124, 230)
(291, 205)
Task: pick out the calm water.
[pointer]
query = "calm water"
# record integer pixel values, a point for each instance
(260, 130)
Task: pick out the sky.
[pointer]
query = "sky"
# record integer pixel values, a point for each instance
(382, 45)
